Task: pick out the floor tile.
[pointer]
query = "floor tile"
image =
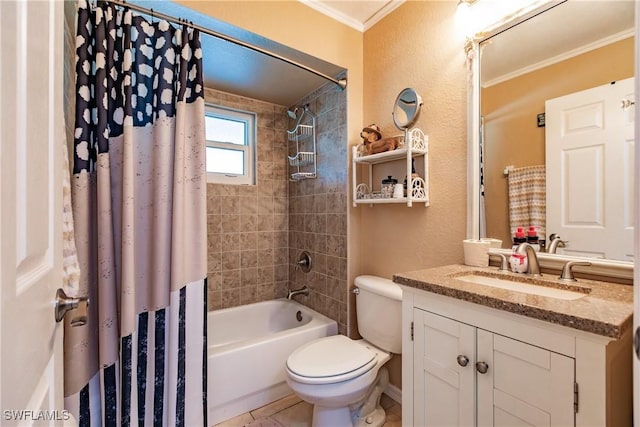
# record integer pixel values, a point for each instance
(291, 411)
(238, 421)
(277, 406)
(298, 415)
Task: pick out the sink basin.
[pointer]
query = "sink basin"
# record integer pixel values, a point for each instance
(527, 288)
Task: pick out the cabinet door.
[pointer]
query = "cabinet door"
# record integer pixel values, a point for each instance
(524, 385)
(444, 390)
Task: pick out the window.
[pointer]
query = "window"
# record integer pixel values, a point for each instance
(230, 138)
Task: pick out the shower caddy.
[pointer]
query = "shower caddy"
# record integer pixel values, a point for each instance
(304, 160)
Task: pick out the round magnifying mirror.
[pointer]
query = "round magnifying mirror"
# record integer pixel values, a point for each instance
(406, 108)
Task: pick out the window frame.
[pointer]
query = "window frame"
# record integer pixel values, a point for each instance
(249, 148)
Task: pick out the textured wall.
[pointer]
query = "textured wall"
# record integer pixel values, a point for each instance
(419, 46)
(247, 224)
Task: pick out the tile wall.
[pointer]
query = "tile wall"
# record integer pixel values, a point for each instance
(247, 225)
(318, 211)
(256, 233)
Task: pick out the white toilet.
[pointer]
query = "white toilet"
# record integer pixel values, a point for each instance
(344, 378)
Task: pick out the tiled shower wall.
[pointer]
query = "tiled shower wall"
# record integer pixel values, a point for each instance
(247, 225)
(318, 211)
(256, 233)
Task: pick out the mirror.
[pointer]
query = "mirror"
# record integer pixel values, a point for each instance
(559, 49)
(406, 108)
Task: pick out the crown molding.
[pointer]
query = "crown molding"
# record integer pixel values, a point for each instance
(562, 57)
(323, 8)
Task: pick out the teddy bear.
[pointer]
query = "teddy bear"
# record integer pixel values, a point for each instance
(373, 142)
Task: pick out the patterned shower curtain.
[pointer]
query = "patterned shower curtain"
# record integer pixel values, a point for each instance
(139, 204)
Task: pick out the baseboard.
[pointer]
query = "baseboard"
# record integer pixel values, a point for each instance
(394, 393)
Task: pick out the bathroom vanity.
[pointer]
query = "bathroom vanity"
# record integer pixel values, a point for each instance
(483, 347)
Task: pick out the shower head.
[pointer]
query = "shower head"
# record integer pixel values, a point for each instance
(293, 112)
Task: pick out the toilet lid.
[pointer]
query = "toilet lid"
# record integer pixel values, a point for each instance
(331, 356)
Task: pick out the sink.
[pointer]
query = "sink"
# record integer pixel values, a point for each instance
(519, 286)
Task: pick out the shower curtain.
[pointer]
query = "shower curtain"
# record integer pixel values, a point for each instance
(139, 204)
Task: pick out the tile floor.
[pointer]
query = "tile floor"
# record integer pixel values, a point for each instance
(290, 411)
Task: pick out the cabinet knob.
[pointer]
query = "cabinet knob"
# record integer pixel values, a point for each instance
(462, 360)
(482, 367)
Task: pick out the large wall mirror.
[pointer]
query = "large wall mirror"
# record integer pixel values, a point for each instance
(551, 140)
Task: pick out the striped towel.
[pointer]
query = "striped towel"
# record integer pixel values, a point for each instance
(527, 198)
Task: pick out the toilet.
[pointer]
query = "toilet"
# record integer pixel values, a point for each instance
(344, 378)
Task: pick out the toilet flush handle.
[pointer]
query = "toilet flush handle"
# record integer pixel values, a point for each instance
(355, 290)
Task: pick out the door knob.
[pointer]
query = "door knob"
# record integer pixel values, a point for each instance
(482, 367)
(636, 342)
(462, 360)
(63, 304)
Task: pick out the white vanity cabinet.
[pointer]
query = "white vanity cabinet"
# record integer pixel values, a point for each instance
(462, 372)
(465, 364)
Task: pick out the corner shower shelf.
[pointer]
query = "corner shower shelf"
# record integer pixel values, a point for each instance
(416, 145)
(303, 160)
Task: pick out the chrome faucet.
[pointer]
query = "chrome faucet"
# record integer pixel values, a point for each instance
(555, 243)
(302, 291)
(533, 267)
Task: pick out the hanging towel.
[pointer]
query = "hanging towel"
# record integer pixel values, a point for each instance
(527, 198)
(70, 267)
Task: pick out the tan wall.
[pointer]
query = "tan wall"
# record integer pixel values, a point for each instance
(418, 46)
(510, 109)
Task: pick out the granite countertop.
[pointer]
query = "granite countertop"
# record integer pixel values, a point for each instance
(606, 309)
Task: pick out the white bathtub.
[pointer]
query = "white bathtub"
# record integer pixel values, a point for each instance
(247, 350)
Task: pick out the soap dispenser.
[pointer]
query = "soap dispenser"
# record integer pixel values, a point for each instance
(532, 238)
(518, 237)
(518, 262)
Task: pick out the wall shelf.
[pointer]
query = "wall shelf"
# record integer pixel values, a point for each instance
(416, 145)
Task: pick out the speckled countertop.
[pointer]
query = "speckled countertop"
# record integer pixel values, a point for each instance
(606, 309)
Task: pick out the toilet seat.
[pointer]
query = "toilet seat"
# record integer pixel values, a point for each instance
(330, 360)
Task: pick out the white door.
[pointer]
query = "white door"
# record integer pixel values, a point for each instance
(444, 383)
(590, 171)
(31, 138)
(547, 399)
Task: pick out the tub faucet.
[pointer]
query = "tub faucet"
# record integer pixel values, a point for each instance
(302, 291)
(533, 267)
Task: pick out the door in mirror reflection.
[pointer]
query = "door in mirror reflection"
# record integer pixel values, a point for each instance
(589, 165)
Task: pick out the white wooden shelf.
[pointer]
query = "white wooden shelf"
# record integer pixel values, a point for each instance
(416, 145)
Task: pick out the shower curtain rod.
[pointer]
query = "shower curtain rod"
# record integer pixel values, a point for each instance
(342, 83)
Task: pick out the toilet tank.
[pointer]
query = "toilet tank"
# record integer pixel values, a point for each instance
(379, 312)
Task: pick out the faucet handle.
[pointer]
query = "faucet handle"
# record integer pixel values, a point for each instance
(504, 263)
(567, 272)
